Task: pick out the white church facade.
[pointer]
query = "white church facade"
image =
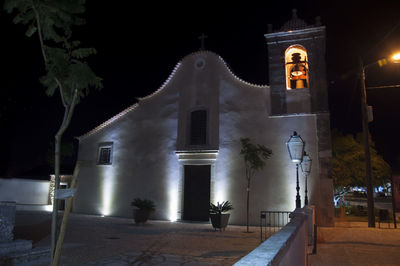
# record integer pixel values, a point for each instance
(180, 146)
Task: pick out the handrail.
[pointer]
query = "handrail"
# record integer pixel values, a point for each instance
(272, 221)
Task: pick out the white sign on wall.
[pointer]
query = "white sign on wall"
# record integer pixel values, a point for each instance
(64, 193)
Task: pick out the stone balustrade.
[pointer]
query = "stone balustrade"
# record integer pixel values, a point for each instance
(289, 246)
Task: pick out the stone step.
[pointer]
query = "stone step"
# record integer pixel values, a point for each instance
(32, 257)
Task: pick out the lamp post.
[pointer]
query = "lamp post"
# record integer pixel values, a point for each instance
(306, 169)
(368, 180)
(295, 146)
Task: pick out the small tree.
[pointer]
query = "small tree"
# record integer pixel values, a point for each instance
(254, 156)
(348, 163)
(66, 70)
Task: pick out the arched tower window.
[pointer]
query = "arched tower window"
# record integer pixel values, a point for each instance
(198, 127)
(296, 64)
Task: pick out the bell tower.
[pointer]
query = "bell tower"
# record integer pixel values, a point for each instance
(298, 86)
(297, 67)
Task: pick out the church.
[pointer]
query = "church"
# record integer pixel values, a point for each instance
(180, 146)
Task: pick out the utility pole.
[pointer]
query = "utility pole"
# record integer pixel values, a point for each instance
(368, 179)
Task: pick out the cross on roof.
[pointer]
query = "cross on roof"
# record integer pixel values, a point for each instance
(202, 37)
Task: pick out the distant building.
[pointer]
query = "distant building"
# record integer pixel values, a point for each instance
(180, 146)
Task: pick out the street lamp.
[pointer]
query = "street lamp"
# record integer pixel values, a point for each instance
(306, 169)
(368, 180)
(295, 146)
(396, 58)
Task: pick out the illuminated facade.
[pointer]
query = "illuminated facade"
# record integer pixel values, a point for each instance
(180, 146)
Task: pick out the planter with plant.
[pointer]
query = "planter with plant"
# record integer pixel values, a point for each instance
(144, 208)
(219, 217)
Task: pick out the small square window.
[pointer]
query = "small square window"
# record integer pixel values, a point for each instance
(105, 154)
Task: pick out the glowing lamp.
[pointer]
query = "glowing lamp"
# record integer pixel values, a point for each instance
(295, 147)
(306, 164)
(396, 58)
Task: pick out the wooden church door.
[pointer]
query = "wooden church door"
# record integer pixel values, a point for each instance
(196, 192)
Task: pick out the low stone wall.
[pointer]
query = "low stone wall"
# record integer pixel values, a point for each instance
(7, 221)
(289, 246)
(19, 251)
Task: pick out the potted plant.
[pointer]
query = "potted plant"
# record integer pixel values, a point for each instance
(144, 208)
(219, 219)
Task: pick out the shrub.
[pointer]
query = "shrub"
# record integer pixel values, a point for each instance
(143, 204)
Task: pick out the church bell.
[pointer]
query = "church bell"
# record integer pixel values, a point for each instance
(298, 73)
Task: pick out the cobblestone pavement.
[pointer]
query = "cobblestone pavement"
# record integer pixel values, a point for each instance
(108, 241)
(94, 240)
(151, 258)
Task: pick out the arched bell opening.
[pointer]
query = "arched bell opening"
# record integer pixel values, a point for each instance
(296, 64)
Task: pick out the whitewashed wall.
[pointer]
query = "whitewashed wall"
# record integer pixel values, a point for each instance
(144, 162)
(244, 112)
(146, 137)
(24, 191)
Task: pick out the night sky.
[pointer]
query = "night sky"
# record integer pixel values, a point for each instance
(138, 47)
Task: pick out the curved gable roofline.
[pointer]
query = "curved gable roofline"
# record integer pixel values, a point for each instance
(162, 87)
(108, 122)
(239, 79)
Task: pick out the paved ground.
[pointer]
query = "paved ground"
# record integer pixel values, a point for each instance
(353, 243)
(93, 240)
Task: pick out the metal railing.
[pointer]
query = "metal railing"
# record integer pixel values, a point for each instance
(271, 222)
